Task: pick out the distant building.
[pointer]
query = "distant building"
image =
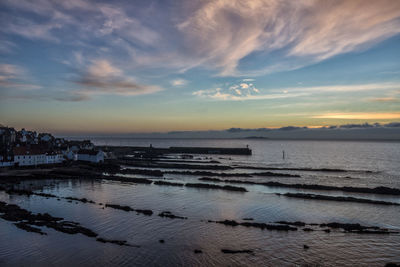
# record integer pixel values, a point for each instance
(95, 156)
(26, 156)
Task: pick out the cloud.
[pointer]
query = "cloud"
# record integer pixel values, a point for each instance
(313, 30)
(15, 77)
(7, 47)
(179, 82)
(359, 116)
(385, 99)
(101, 77)
(250, 92)
(217, 35)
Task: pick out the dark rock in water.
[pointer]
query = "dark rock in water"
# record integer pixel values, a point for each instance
(308, 230)
(27, 219)
(247, 219)
(197, 251)
(208, 173)
(117, 242)
(258, 225)
(306, 247)
(230, 251)
(357, 228)
(27, 193)
(127, 179)
(119, 207)
(161, 241)
(392, 264)
(156, 173)
(229, 222)
(214, 186)
(274, 174)
(168, 183)
(168, 214)
(83, 200)
(377, 190)
(145, 212)
(29, 228)
(332, 198)
(292, 223)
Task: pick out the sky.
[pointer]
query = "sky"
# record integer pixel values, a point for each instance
(82, 66)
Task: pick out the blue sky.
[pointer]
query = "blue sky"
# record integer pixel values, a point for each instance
(144, 66)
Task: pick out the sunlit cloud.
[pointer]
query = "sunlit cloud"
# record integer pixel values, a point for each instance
(359, 116)
(385, 99)
(314, 30)
(101, 77)
(179, 82)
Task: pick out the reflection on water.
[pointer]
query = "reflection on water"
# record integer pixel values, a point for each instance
(182, 237)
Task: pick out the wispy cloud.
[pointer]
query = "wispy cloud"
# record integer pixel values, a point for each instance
(359, 116)
(217, 35)
(13, 76)
(385, 99)
(313, 30)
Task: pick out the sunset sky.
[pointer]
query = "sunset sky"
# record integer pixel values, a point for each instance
(78, 66)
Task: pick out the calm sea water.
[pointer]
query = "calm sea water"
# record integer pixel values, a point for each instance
(271, 248)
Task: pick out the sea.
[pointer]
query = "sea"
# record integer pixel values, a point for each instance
(362, 164)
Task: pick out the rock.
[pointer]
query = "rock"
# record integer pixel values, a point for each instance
(306, 247)
(230, 251)
(119, 207)
(168, 183)
(168, 214)
(145, 212)
(292, 223)
(161, 241)
(197, 251)
(29, 228)
(214, 186)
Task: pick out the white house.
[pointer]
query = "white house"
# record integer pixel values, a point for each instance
(27, 157)
(94, 156)
(24, 156)
(54, 157)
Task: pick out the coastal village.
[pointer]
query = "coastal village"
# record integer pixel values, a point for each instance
(29, 148)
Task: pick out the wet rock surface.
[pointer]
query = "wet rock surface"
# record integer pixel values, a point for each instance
(117, 242)
(14, 213)
(377, 190)
(156, 173)
(261, 226)
(213, 186)
(168, 183)
(342, 199)
(168, 214)
(357, 228)
(232, 251)
(127, 209)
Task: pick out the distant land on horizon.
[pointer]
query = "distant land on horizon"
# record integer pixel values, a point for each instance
(390, 132)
